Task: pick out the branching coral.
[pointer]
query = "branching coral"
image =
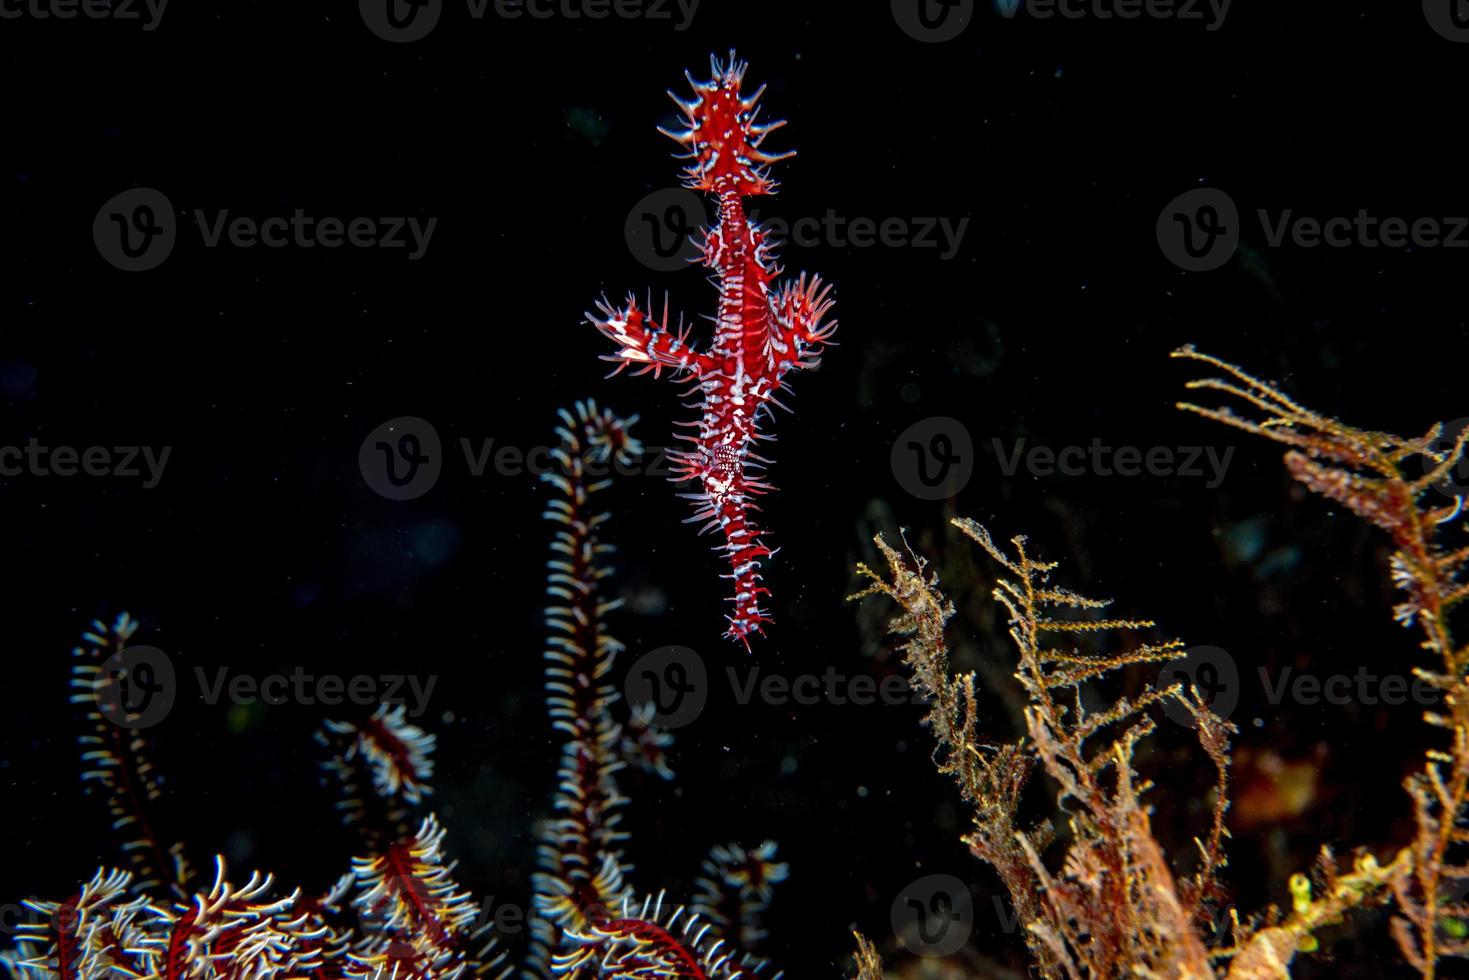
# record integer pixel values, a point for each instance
(1114, 906)
(1111, 906)
(1371, 474)
(1097, 893)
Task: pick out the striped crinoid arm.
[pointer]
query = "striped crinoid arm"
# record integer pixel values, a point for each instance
(648, 941)
(587, 922)
(381, 768)
(735, 888)
(319, 932)
(582, 869)
(92, 934)
(1405, 487)
(416, 920)
(235, 933)
(116, 759)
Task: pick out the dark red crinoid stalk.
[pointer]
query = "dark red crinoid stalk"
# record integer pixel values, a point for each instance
(762, 331)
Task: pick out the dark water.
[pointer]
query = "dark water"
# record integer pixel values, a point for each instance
(1055, 145)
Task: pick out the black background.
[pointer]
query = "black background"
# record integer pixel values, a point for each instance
(263, 549)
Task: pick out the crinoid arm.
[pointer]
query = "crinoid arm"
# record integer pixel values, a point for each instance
(1396, 483)
(381, 767)
(735, 889)
(588, 922)
(418, 917)
(117, 762)
(649, 940)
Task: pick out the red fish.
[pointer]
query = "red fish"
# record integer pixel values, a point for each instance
(763, 330)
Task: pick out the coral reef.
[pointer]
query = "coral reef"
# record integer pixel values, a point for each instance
(1109, 904)
(399, 913)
